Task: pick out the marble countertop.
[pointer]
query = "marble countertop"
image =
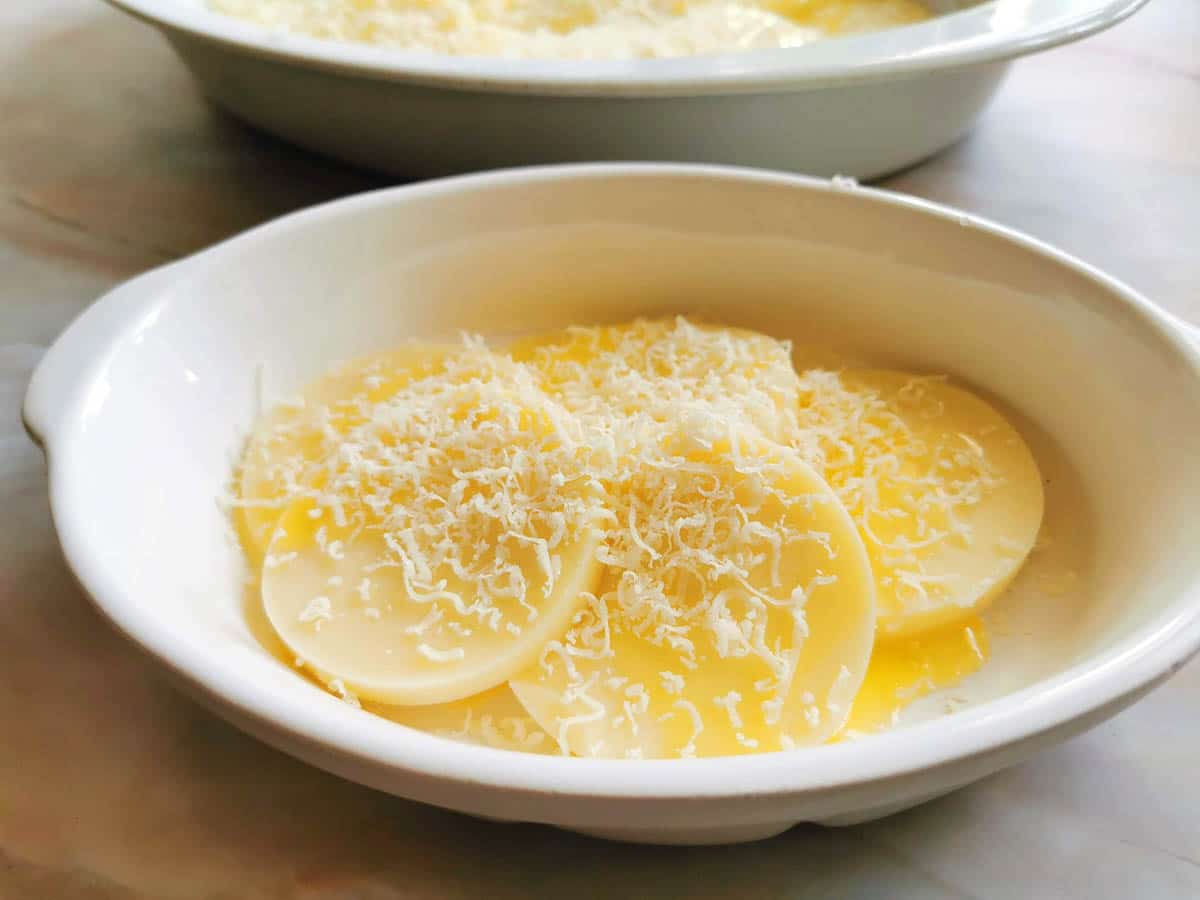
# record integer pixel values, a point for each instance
(114, 786)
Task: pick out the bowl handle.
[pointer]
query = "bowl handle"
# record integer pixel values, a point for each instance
(65, 366)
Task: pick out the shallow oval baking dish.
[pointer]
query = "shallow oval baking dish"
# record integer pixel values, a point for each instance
(859, 106)
(142, 403)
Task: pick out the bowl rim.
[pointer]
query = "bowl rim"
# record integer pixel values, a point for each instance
(993, 31)
(56, 404)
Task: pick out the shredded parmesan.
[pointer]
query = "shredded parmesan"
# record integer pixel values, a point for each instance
(592, 29)
(318, 611)
(442, 498)
(908, 493)
(702, 575)
(452, 499)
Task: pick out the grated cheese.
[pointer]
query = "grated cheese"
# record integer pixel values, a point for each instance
(587, 29)
(634, 384)
(443, 532)
(737, 542)
(945, 493)
(622, 521)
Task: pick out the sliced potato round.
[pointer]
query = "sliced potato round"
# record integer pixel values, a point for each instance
(648, 367)
(493, 718)
(944, 490)
(284, 453)
(451, 536)
(736, 612)
(356, 615)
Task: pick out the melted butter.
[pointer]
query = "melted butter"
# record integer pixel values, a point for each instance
(903, 670)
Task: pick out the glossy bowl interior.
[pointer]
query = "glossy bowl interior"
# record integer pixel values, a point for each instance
(142, 406)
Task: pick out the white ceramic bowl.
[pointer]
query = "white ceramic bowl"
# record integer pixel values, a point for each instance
(859, 106)
(142, 403)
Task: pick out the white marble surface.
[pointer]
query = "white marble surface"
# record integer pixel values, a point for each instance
(114, 786)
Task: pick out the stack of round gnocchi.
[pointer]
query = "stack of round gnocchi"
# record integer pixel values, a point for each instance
(650, 540)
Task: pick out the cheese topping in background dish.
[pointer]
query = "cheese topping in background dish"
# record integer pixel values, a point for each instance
(654, 539)
(577, 29)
